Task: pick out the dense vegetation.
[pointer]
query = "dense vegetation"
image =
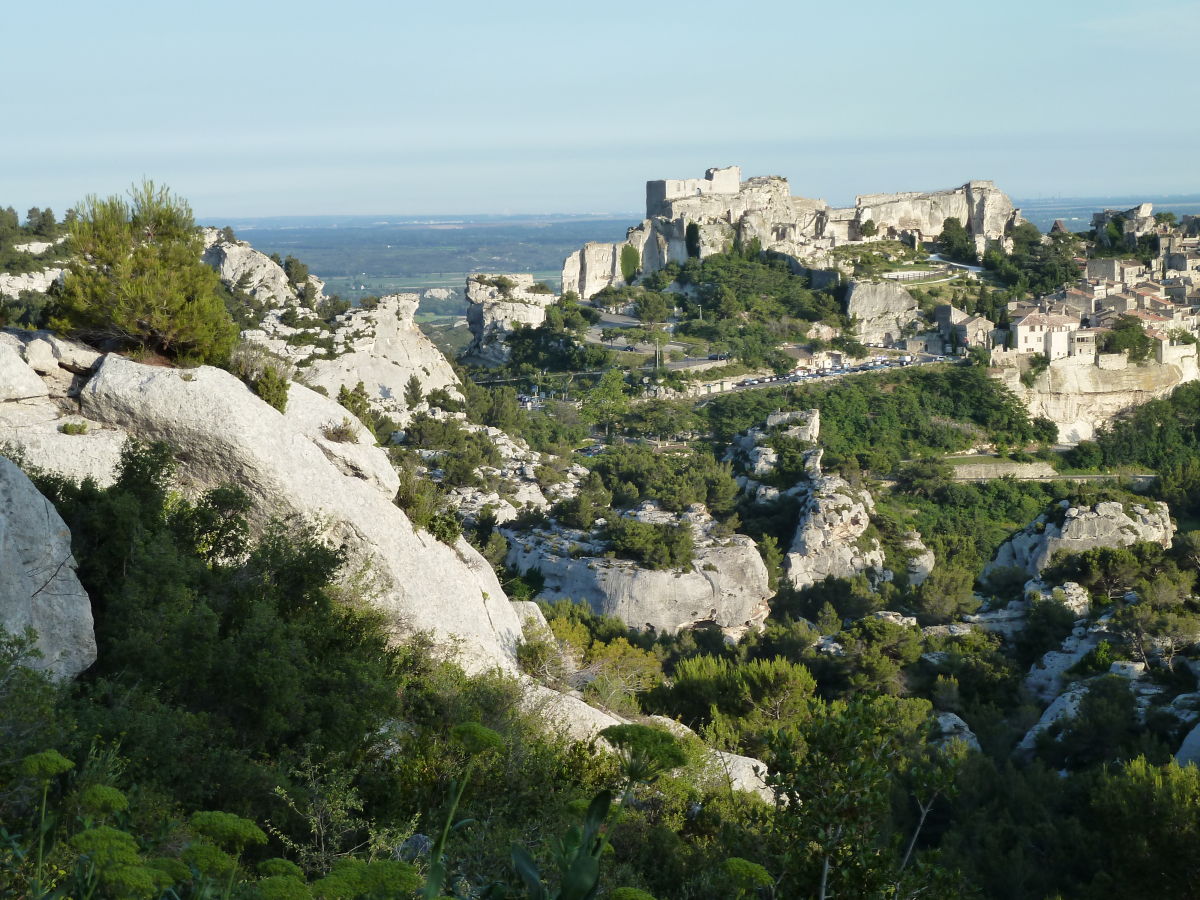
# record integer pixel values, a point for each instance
(875, 421)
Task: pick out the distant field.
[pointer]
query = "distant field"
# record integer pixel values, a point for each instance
(359, 256)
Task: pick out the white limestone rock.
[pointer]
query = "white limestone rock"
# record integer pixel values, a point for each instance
(1188, 753)
(240, 265)
(726, 583)
(17, 380)
(494, 312)
(1107, 524)
(226, 434)
(951, 727)
(920, 558)
(38, 586)
(883, 310)
(1064, 707)
(828, 535)
(38, 282)
(387, 351)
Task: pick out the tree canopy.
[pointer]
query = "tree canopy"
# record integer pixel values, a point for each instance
(138, 280)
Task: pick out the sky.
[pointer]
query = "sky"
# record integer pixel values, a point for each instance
(457, 107)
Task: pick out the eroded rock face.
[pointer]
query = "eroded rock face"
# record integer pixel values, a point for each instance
(829, 536)
(883, 310)
(1108, 524)
(920, 558)
(38, 587)
(1080, 396)
(226, 434)
(726, 584)
(494, 311)
(383, 348)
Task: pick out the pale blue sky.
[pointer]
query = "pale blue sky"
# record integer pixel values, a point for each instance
(256, 108)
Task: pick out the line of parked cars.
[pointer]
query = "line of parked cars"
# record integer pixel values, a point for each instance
(872, 365)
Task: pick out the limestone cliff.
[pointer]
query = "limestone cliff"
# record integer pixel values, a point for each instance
(38, 587)
(830, 535)
(288, 467)
(497, 304)
(1107, 524)
(1082, 393)
(241, 266)
(883, 310)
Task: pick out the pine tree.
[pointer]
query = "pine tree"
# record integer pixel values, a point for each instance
(138, 281)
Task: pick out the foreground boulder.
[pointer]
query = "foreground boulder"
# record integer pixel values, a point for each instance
(289, 467)
(38, 587)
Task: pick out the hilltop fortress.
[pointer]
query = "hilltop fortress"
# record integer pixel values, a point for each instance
(721, 208)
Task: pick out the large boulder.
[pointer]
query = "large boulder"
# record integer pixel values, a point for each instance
(224, 433)
(726, 584)
(829, 538)
(38, 587)
(1077, 529)
(883, 310)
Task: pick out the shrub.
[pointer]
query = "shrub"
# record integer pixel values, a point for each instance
(342, 432)
(272, 386)
(73, 427)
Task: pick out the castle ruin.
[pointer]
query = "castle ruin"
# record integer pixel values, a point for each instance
(724, 209)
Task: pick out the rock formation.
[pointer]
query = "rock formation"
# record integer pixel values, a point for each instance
(720, 209)
(1082, 393)
(497, 304)
(920, 558)
(1107, 524)
(383, 348)
(726, 584)
(39, 282)
(288, 466)
(829, 537)
(883, 310)
(38, 587)
(241, 266)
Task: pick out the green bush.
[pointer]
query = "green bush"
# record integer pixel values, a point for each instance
(272, 386)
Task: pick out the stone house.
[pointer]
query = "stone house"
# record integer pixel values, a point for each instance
(1047, 333)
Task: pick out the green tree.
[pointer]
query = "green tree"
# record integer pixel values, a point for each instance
(605, 403)
(413, 395)
(868, 228)
(955, 242)
(138, 280)
(631, 261)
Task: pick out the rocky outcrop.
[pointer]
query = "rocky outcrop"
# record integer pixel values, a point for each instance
(241, 266)
(38, 587)
(882, 309)
(752, 450)
(38, 282)
(1064, 707)
(383, 348)
(726, 584)
(951, 727)
(1108, 524)
(226, 434)
(720, 209)
(1080, 394)
(920, 558)
(498, 303)
(829, 537)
